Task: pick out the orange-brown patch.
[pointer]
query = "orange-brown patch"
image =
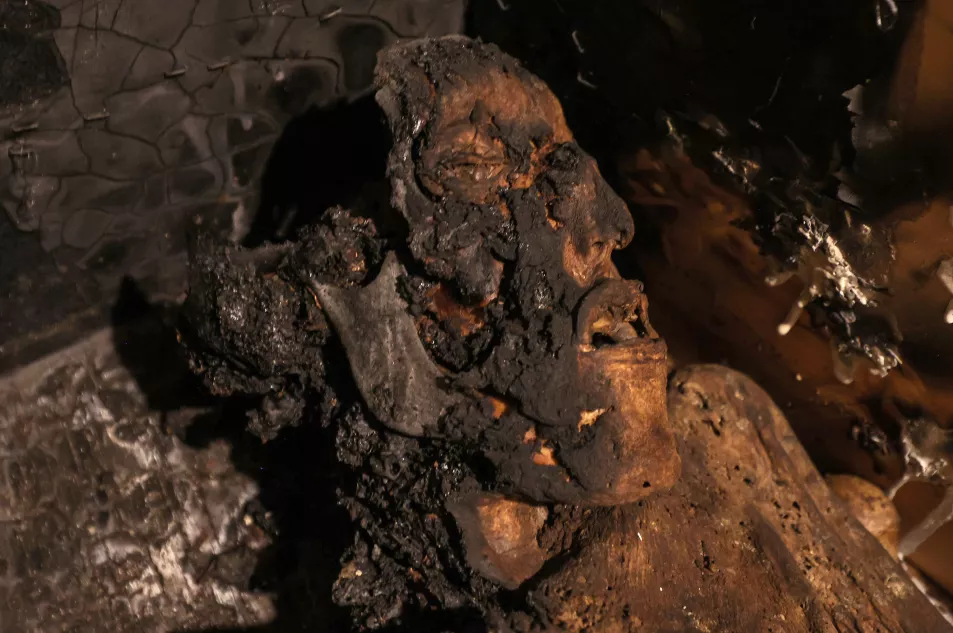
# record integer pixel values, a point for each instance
(465, 319)
(588, 418)
(545, 456)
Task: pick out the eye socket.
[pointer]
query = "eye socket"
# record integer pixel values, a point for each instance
(615, 333)
(600, 340)
(465, 160)
(474, 167)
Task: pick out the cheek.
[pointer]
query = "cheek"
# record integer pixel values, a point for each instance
(589, 237)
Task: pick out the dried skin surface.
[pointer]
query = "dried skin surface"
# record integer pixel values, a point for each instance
(553, 379)
(750, 511)
(870, 506)
(500, 537)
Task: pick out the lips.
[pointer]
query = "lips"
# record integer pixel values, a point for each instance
(615, 312)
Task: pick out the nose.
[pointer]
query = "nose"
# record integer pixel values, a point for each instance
(612, 214)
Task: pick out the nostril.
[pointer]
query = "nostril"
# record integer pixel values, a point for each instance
(614, 334)
(600, 340)
(641, 330)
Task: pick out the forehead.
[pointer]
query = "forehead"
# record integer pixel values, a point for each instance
(508, 97)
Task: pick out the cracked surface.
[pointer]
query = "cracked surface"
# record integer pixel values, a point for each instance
(123, 123)
(107, 522)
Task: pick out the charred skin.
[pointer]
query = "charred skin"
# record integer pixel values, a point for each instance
(509, 231)
(517, 226)
(506, 415)
(251, 325)
(538, 377)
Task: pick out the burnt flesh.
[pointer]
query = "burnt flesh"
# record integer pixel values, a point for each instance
(487, 290)
(501, 402)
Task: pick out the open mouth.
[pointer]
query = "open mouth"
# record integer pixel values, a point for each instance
(614, 313)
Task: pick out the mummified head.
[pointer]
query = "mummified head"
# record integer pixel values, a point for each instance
(477, 139)
(515, 224)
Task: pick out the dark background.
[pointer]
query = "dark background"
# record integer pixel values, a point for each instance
(257, 148)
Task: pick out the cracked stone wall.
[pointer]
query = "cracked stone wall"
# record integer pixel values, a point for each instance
(123, 122)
